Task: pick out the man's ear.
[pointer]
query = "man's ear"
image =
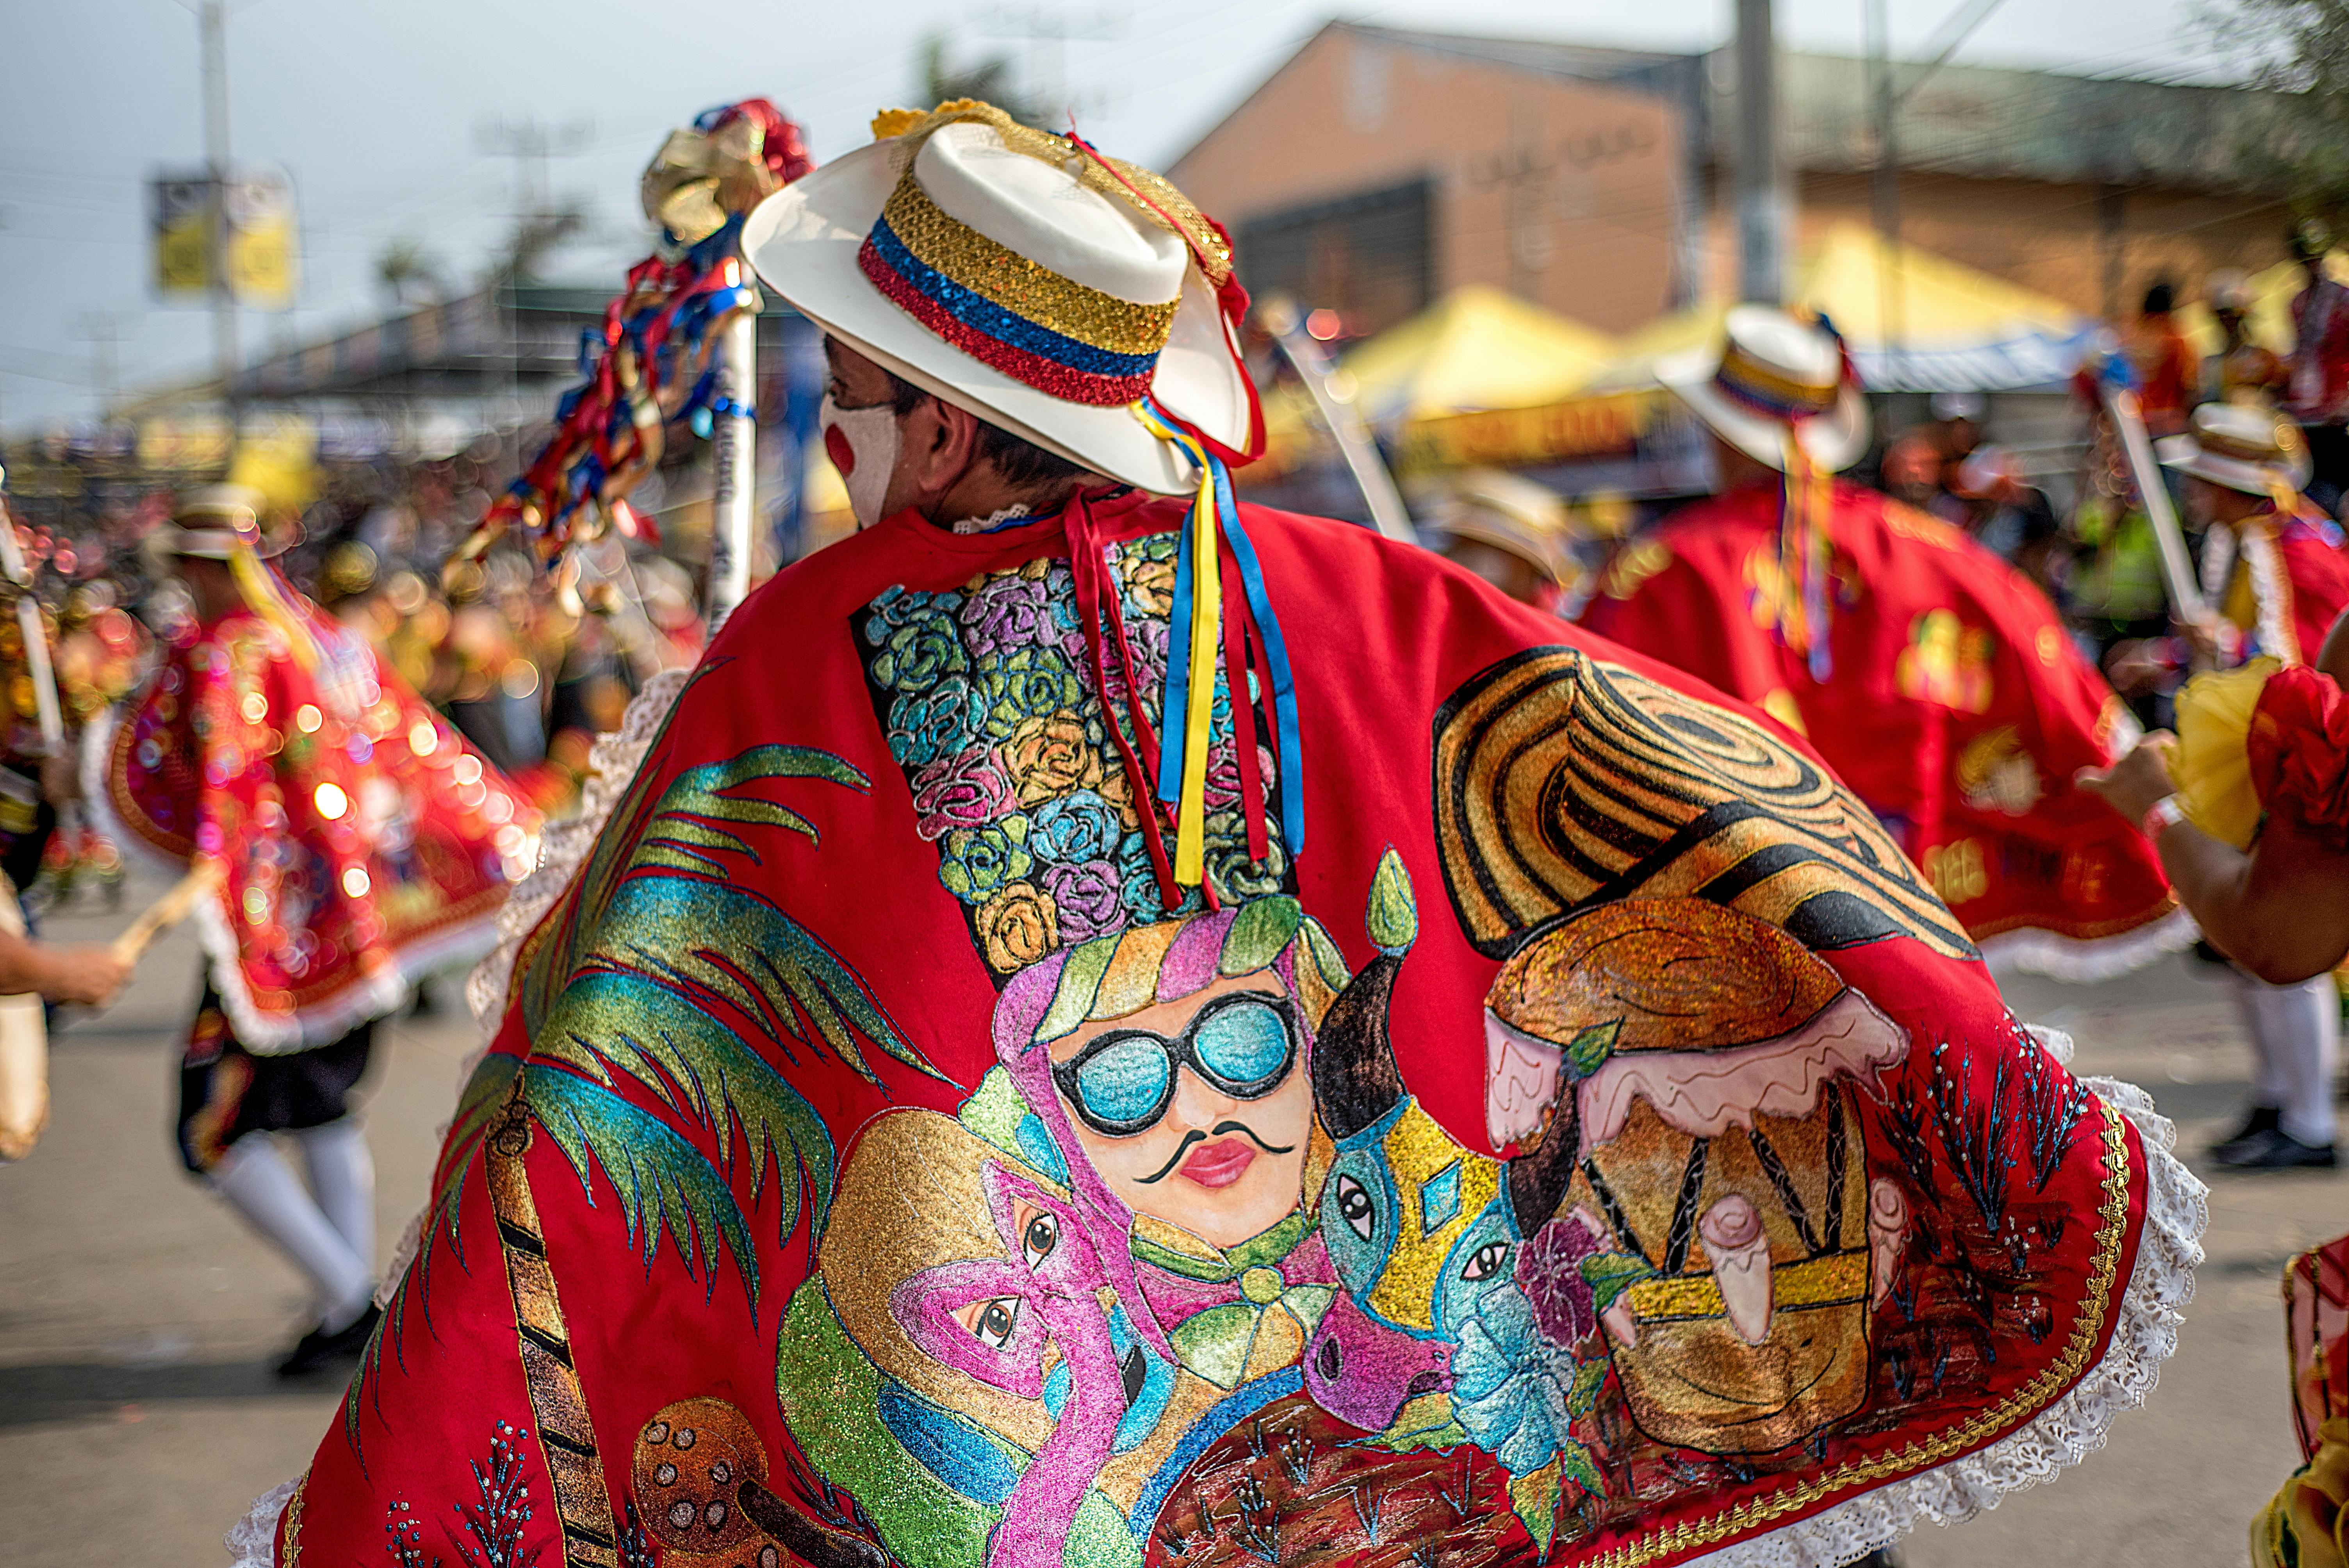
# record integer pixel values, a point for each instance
(943, 441)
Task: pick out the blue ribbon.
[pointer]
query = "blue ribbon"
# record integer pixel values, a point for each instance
(1275, 659)
(1267, 626)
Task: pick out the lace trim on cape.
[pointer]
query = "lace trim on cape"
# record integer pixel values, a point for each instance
(2085, 960)
(612, 765)
(251, 1542)
(2145, 1335)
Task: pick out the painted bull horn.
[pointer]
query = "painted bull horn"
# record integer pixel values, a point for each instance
(1355, 1080)
(1538, 1177)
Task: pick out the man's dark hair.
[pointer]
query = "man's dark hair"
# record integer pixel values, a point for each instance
(2160, 299)
(1021, 462)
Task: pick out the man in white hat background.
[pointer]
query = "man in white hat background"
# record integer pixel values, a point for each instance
(1937, 680)
(352, 844)
(986, 885)
(1511, 532)
(2273, 566)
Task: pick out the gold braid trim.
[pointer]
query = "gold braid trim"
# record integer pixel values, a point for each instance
(912, 127)
(1925, 1453)
(293, 1523)
(566, 1438)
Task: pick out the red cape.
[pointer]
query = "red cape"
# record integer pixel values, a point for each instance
(1956, 707)
(769, 1229)
(362, 843)
(2286, 608)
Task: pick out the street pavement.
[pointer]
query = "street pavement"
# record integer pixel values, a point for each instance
(138, 1319)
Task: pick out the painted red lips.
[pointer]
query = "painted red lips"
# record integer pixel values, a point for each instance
(1220, 1163)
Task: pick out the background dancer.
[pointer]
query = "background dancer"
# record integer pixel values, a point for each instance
(359, 846)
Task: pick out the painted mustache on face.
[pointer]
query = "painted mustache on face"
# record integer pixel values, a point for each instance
(1196, 1136)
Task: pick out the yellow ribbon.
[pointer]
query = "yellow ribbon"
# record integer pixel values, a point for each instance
(261, 593)
(1205, 633)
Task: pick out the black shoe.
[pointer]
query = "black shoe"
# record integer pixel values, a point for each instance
(2261, 1120)
(318, 1350)
(2279, 1150)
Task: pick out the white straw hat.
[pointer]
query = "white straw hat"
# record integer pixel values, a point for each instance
(213, 522)
(1774, 372)
(1018, 276)
(2241, 446)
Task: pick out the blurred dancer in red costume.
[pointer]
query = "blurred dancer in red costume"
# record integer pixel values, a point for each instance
(359, 846)
(1934, 677)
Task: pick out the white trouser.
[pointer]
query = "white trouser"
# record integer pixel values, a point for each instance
(2295, 1033)
(259, 1184)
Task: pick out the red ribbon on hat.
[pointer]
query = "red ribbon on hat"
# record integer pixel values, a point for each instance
(1231, 300)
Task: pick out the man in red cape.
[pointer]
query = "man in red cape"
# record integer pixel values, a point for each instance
(356, 845)
(1109, 1028)
(1934, 677)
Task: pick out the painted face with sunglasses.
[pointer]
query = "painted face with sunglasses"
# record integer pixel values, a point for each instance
(1196, 1111)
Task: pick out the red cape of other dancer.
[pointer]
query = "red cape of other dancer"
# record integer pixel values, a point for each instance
(362, 843)
(1955, 707)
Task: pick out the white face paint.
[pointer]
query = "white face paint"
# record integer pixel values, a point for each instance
(863, 444)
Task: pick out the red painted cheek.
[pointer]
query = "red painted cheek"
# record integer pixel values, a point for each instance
(837, 447)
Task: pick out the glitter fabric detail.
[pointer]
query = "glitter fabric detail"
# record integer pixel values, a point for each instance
(1082, 363)
(1025, 289)
(1041, 370)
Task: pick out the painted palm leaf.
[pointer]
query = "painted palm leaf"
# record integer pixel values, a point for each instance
(655, 968)
(661, 1178)
(698, 1066)
(694, 823)
(735, 945)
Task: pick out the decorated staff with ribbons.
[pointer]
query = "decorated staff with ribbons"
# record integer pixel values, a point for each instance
(1935, 677)
(356, 845)
(1103, 1026)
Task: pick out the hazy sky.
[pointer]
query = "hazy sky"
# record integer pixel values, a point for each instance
(380, 112)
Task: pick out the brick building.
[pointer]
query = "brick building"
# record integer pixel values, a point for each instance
(1379, 168)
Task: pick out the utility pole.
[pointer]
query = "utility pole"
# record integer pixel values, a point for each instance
(1891, 289)
(1761, 203)
(531, 146)
(212, 24)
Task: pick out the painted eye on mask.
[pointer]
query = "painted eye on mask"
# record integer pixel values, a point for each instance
(1354, 1207)
(1039, 1237)
(1486, 1261)
(991, 1322)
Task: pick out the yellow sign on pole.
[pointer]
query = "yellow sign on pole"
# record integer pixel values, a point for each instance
(252, 214)
(180, 208)
(263, 249)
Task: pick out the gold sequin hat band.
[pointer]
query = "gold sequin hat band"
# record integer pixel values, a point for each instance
(1017, 314)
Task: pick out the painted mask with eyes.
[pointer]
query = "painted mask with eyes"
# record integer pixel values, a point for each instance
(1419, 1228)
(985, 1316)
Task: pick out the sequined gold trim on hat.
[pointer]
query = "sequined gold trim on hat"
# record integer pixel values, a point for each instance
(1924, 1453)
(910, 126)
(1028, 289)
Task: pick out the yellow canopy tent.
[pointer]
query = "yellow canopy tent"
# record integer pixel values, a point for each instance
(1476, 347)
(1914, 321)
